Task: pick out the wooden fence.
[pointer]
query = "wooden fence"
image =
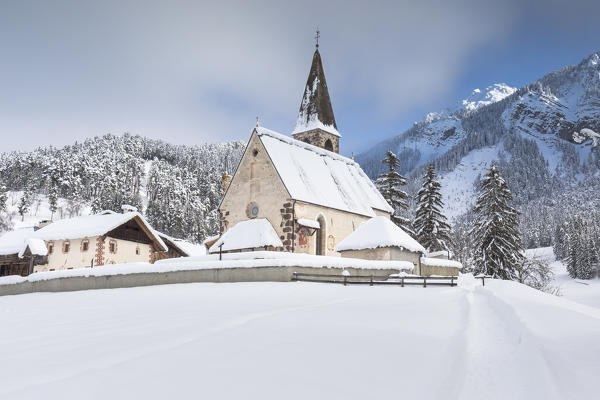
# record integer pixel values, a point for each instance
(377, 279)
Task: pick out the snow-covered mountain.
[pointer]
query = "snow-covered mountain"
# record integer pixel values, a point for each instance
(490, 95)
(497, 124)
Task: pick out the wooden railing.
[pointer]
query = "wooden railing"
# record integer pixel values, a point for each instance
(377, 279)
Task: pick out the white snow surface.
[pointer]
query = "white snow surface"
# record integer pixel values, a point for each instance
(379, 232)
(321, 177)
(249, 234)
(311, 223)
(265, 340)
(584, 291)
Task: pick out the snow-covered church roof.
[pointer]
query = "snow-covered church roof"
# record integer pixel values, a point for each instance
(321, 177)
(379, 232)
(249, 234)
(316, 111)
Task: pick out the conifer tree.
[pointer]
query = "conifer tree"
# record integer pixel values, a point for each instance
(53, 198)
(24, 203)
(3, 198)
(389, 184)
(430, 225)
(496, 231)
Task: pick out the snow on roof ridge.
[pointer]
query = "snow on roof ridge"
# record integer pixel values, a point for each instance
(322, 152)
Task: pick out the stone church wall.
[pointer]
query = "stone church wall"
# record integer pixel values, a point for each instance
(256, 182)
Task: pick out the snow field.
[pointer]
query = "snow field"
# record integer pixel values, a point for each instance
(298, 341)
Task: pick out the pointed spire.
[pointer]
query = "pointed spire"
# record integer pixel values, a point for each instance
(315, 110)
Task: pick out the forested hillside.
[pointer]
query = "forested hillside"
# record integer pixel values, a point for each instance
(532, 134)
(177, 187)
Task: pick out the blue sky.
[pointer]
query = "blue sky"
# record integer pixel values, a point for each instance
(191, 72)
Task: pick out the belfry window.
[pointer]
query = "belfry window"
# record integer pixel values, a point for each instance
(328, 145)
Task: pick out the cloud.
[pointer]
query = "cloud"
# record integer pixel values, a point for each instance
(189, 71)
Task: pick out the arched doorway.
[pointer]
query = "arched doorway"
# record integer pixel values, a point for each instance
(320, 240)
(328, 145)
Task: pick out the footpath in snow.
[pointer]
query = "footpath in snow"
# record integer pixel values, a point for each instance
(299, 341)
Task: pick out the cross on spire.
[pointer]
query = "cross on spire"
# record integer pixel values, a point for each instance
(317, 36)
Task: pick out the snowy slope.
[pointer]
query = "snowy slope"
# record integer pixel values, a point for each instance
(299, 341)
(458, 190)
(40, 210)
(579, 290)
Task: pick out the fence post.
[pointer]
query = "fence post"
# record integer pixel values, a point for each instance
(371, 284)
(402, 282)
(424, 281)
(294, 277)
(451, 281)
(483, 280)
(345, 278)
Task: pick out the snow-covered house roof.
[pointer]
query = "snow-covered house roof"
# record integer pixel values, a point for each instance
(379, 232)
(321, 177)
(95, 225)
(187, 248)
(36, 246)
(16, 242)
(310, 223)
(316, 111)
(13, 242)
(249, 234)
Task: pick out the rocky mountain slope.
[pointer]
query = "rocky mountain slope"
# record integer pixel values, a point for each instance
(497, 124)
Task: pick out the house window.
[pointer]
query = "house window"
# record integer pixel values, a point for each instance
(112, 246)
(137, 251)
(50, 248)
(85, 245)
(66, 247)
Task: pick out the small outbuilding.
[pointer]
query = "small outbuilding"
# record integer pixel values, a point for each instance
(249, 235)
(381, 239)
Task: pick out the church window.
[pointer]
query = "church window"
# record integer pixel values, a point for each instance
(253, 170)
(328, 145)
(255, 152)
(252, 210)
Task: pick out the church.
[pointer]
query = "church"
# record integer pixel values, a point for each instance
(298, 194)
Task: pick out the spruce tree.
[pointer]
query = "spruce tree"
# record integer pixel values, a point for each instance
(25, 202)
(53, 198)
(3, 198)
(389, 184)
(496, 231)
(430, 225)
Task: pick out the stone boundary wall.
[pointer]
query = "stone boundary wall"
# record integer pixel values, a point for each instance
(217, 275)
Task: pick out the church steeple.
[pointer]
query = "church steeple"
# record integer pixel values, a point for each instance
(316, 123)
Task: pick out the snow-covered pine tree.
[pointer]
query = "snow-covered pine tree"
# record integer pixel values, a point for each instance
(430, 225)
(53, 198)
(3, 198)
(389, 184)
(25, 202)
(496, 229)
